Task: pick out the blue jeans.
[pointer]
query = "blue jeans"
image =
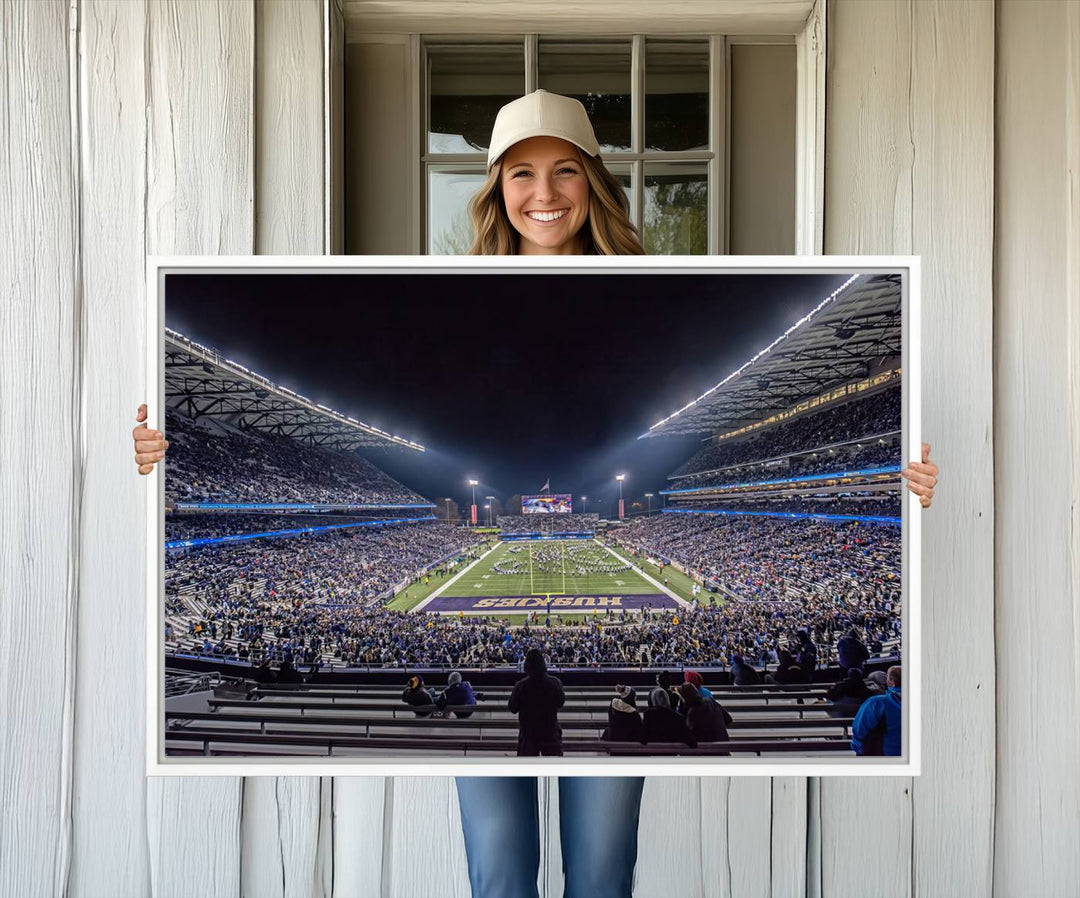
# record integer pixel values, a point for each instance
(598, 823)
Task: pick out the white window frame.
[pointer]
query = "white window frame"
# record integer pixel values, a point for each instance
(809, 40)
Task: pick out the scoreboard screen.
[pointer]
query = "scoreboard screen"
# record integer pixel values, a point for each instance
(556, 503)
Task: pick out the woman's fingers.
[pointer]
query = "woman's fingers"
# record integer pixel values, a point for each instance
(914, 474)
(145, 469)
(140, 415)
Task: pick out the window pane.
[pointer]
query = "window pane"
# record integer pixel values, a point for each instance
(676, 209)
(676, 95)
(597, 74)
(449, 191)
(467, 84)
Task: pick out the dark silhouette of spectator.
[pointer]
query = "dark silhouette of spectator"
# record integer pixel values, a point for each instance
(876, 730)
(787, 671)
(416, 695)
(662, 724)
(706, 718)
(692, 676)
(624, 722)
(847, 696)
(851, 651)
(536, 700)
(264, 674)
(807, 657)
(288, 675)
(457, 692)
(742, 674)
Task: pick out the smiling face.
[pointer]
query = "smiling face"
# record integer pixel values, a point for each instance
(546, 195)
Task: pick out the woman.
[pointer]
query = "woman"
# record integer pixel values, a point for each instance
(547, 193)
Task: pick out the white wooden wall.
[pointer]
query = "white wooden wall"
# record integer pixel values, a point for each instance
(190, 126)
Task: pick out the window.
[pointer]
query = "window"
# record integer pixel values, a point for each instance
(656, 104)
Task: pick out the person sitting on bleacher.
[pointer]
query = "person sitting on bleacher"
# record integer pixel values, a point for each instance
(706, 718)
(787, 671)
(847, 696)
(742, 674)
(624, 722)
(692, 676)
(415, 694)
(662, 724)
(807, 657)
(288, 676)
(851, 651)
(876, 730)
(457, 692)
(264, 674)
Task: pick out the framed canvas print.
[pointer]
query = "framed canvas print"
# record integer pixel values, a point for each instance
(509, 516)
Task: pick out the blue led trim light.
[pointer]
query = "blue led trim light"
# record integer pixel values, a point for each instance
(870, 519)
(891, 469)
(243, 537)
(292, 506)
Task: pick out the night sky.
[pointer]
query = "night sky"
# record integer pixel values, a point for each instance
(512, 378)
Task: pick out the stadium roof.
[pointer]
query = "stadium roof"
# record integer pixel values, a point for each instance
(199, 381)
(848, 336)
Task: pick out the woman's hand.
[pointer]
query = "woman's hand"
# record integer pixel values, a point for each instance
(922, 477)
(150, 445)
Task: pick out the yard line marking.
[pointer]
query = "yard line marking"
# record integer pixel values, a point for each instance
(438, 592)
(641, 573)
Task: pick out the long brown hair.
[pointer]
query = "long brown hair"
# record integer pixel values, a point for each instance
(608, 230)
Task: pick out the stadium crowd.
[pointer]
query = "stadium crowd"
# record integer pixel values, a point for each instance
(876, 504)
(511, 524)
(225, 466)
(207, 526)
(340, 566)
(770, 559)
(878, 413)
(852, 457)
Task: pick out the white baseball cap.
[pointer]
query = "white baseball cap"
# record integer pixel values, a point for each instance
(541, 114)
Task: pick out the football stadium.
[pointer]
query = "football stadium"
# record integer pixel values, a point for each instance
(316, 604)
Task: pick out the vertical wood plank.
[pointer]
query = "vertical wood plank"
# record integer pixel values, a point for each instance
(110, 852)
(869, 158)
(425, 817)
(199, 200)
(360, 808)
(952, 131)
(41, 455)
(289, 127)
(671, 840)
(909, 170)
(788, 836)
(1037, 370)
(282, 816)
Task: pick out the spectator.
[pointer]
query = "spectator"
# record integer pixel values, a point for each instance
(787, 671)
(851, 651)
(536, 700)
(416, 695)
(624, 722)
(288, 675)
(807, 657)
(707, 720)
(877, 727)
(742, 674)
(847, 696)
(692, 676)
(456, 692)
(662, 724)
(264, 674)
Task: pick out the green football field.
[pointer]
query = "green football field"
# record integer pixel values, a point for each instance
(563, 567)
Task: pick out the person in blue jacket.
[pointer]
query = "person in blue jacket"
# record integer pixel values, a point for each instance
(877, 726)
(457, 692)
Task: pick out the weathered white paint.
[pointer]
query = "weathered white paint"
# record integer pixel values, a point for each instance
(161, 155)
(909, 152)
(1037, 371)
(41, 451)
(199, 200)
(110, 855)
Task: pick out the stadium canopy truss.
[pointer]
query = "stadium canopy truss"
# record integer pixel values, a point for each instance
(849, 336)
(200, 382)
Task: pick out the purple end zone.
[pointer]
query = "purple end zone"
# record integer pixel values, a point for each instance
(490, 604)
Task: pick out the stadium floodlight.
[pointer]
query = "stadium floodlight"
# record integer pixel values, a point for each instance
(649, 496)
(473, 484)
(620, 478)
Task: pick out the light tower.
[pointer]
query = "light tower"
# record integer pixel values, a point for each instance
(620, 478)
(473, 484)
(584, 506)
(489, 507)
(649, 497)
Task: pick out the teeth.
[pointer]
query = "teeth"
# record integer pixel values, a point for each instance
(546, 216)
